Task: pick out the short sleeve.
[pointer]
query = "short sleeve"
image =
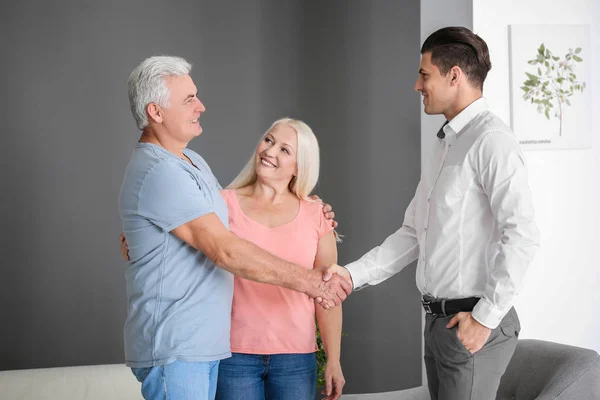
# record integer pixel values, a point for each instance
(171, 196)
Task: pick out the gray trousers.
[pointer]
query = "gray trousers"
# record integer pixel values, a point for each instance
(453, 373)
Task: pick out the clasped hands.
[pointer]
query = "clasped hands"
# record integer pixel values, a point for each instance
(335, 286)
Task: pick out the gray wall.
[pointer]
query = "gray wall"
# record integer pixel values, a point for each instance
(345, 67)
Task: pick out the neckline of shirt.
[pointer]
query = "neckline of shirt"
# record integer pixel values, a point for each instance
(456, 124)
(290, 224)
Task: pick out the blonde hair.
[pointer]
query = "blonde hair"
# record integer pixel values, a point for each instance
(307, 159)
(307, 156)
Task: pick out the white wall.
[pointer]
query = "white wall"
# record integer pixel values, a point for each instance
(560, 298)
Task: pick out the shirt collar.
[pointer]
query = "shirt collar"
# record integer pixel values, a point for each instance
(466, 115)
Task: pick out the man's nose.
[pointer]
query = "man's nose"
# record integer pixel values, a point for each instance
(200, 106)
(418, 85)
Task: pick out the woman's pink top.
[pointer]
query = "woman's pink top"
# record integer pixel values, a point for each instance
(268, 319)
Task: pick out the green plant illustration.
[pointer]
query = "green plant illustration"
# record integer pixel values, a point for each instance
(554, 82)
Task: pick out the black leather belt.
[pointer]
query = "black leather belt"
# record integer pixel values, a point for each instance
(449, 307)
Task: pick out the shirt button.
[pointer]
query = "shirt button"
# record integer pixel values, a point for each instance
(425, 230)
(429, 199)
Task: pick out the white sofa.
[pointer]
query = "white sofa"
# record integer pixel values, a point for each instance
(96, 382)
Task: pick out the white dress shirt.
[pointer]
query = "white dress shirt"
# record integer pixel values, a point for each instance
(470, 223)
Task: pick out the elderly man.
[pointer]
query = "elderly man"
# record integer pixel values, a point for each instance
(179, 282)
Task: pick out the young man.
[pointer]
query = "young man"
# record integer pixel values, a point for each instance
(471, 226)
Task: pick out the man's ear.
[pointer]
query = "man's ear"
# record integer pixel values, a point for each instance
(456, 75)
(155, 112)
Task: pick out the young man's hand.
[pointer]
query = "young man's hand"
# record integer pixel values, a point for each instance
(470, 332)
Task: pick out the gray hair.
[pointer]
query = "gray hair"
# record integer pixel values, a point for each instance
(146, 84)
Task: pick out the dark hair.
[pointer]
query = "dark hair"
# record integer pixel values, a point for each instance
(458, 46)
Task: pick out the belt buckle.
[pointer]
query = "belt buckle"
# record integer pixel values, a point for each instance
(426, 306)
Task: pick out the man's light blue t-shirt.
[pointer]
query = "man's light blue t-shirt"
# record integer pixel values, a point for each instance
(179, 302)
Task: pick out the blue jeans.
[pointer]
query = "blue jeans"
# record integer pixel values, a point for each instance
(179, 380)
(273, 377)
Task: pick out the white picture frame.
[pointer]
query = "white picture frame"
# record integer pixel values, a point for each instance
(543, 117)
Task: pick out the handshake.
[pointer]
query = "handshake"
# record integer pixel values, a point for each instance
(329, 286)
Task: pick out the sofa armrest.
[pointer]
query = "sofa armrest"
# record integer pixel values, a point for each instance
(548, 370)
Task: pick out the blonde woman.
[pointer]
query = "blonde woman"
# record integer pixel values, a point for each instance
(273, 329)
(273, 339)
